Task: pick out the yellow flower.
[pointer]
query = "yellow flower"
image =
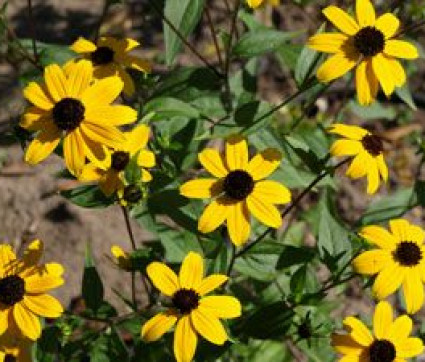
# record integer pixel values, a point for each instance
(67, 105)
(398, 260)
(110, 57)
(15, 347)
(368, 44)
(257, 3)
(367, 149)
(23, 287)
(390, 341)
(122, 258)
(191, 309)
(238, 190)
(111, 175)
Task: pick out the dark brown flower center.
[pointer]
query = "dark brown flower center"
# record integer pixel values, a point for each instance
(68, 114)
(408, 253)
(132, 194)
(102, 55)
(382, 350)
(120, 160)
(185, 300)
(12, 290)
(10, 358)
(373, 144)
(369, 41)
(238, 184)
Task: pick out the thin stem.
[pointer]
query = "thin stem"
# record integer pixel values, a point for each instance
(102, 17)
(32, 27)
(229, 44)
(232, 260)
(410, 28)
(182, 38)
(24, 52)
(214, 36)
(294, 203)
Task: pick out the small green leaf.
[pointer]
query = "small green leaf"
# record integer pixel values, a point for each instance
(92, 287)
(166, 107)
(89, 196)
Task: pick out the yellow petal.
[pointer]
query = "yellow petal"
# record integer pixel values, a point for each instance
(265, 212)
(413, 290)
(146, 158)
(214, 215)
(359, 166)
(43, 305)
(372, 261)
(328, 42)
(222, 306)
(96, 152)
(157, 326)
(90, 173)
(6, 256)
(27, 322)
(43, 145)
(191, 271)
(382, 167)
(34, 119)
(210, 283)
(137, 63)
(74, 152)
(346, 345)
(352, 132)
(388, 24)
(118, 253)
(41, 283)
(114, 115)
(137, 138)
(163, 278)
(382, 319)
(365, 13)
(33, 253)
(82, 45)
(400, 49)
(358, 331)
(379, 236)
(212, 161)
(397, 70)
(38, 96)
(367, 84)
(336, 66)
(236, 153)
(208, 326)
(383, 71)
(400, 229)
(129, 87)
(54, 269)
(341, 20)
(409, 348)
(104, 134)
(56, 82)
(254, 3)
(372, 177)
(345, 148)
(400, 329)
(103, 92)
(128, 44)
(388, 281)
(146, 176)
(272, 192)
(185, 340)
(79, 78)
(238, 223)
(264, 163)
(201, 188)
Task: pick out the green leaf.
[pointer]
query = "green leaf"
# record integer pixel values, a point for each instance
(92, 287)
(375, 111)
(293, 255)
(261, 41)
(184, 15)
(89, 196)
(167, 107)
(298, 281)
(406, 96)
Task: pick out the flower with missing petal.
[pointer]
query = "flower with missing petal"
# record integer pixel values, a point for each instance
(390, 341)
(14, 346)
(193, 311)
(238, 190)
(398, 260)
(110, 56)
(68, 106)
(257, 3)
(23, 288)
(367, 149)
(368, 43)
(111, 174)
(122, 258)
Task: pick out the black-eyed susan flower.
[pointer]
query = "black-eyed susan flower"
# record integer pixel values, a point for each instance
(122, 258)
(15, 347)
(111, 174)
(110, 56)
(193, 312)
(23, 288)
(367, 43)
(238, 190)
(367, 149)
(68, 106)
(398, 261)
(257, 3)
(390, 341)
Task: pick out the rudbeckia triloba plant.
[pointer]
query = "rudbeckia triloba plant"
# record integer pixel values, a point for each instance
(389, 342)
(69, 106)
(110, 56)
(23, 290)
(367, 149)
(193, 311)
(368, 43)
(398, 261)
(239, 189)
